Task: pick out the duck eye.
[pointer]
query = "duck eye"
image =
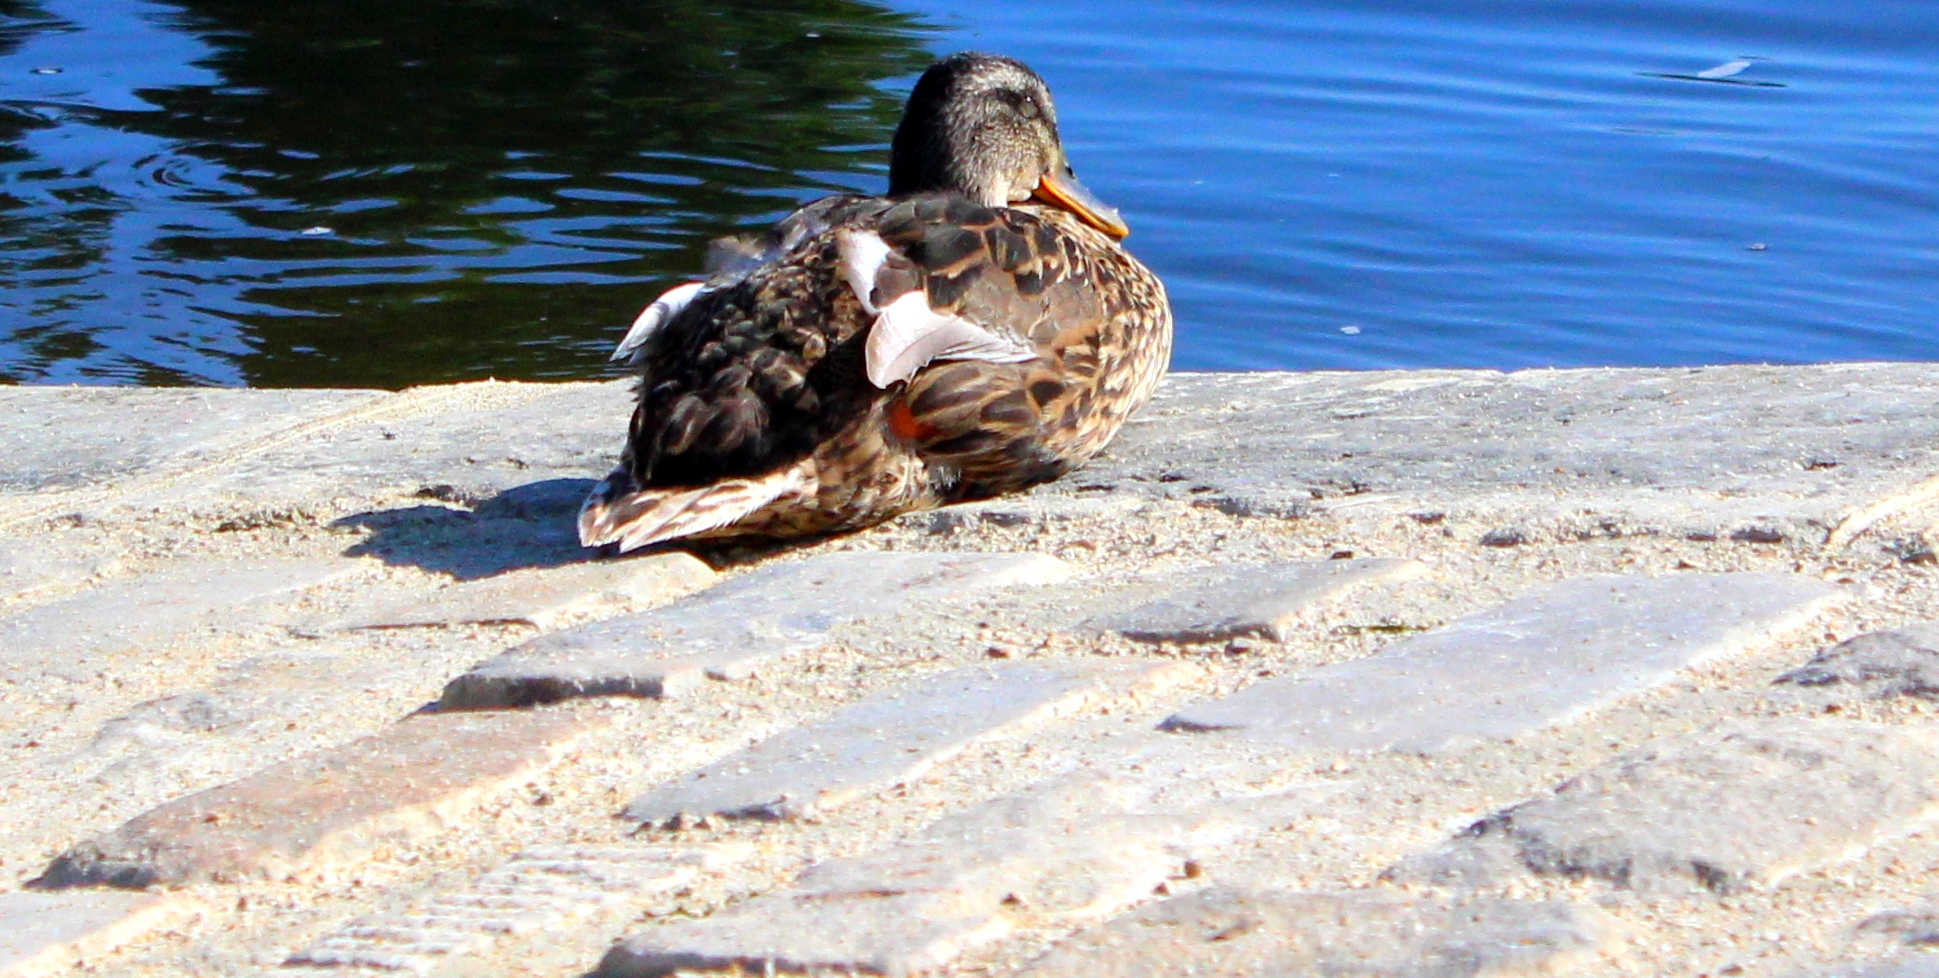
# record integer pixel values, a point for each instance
(1029, 108)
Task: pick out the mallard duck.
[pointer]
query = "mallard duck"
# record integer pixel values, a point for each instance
(977, 331)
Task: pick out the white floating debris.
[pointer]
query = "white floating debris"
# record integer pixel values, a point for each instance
(1724, 70)
(319, 229)
(1350, 330)
(47, 71)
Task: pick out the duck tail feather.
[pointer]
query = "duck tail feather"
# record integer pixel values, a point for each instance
(620, 511)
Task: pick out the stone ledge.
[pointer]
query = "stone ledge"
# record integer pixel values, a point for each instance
(1757, 451)
(1490, 491)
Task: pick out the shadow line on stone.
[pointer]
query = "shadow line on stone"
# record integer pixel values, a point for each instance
(523, 527)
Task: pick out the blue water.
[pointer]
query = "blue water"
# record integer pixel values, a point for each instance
(347, 193)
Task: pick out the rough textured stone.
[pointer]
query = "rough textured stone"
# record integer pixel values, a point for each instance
(1725, 811)
(1910, 925)
(1914, 965)
(1029, 508)
(536, 891)
(71, 639)
(1900, 662)
(266, 707)
(1719, 449)
(1804, 446)
(730, 630)
(463, 441)
(1207, 604)
(49, 933)
(28, 568)
(1540, 660)
(1069, 851)
(1458, 464)
(56, 438)
(892, 738)
(305, 815)
(1246, 933)
(545, 597)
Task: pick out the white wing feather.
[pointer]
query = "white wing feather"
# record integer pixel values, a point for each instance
(908, 335)
(862, 253)
(655, 316)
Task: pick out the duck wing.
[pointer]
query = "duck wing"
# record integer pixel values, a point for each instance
(731, 259)
(741, 376)
(974, 349)
(1024, 337)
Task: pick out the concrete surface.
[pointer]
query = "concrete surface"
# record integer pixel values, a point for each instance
(229, 617)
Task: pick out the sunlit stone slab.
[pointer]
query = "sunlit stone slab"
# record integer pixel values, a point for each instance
(47, 934)
(64, 438)
(1536, 661)
(892, 738)
(730, 630)
(328, 809)
(528, 896)
(545, 596)
(74, 638)
(1228, 932)
(1068, 851)
(1210, 603)
(459, 440)
(1724, 811)
(1708, 451)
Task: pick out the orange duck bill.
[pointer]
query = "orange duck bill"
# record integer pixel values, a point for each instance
(1063, 190)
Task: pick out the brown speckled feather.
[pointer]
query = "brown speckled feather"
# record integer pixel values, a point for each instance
(766, 376)
(1100, 322)
(872, 356)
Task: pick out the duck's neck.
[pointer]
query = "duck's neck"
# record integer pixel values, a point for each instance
(922, 161)
(942, 148)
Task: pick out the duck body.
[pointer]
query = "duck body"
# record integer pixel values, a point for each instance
(878, 355)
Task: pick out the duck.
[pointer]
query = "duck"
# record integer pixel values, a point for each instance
(977, 330)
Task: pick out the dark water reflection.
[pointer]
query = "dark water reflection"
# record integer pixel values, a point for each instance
(355, 192)
(374, 192)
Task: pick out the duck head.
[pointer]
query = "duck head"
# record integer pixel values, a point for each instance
(983, 126)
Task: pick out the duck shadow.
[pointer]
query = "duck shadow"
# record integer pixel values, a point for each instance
(530, 526)
(526, 526)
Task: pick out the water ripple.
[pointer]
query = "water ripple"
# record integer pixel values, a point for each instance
(226, 192)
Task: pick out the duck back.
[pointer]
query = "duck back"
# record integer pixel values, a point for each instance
(769, 376)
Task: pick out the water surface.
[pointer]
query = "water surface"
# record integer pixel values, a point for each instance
(354, 192)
